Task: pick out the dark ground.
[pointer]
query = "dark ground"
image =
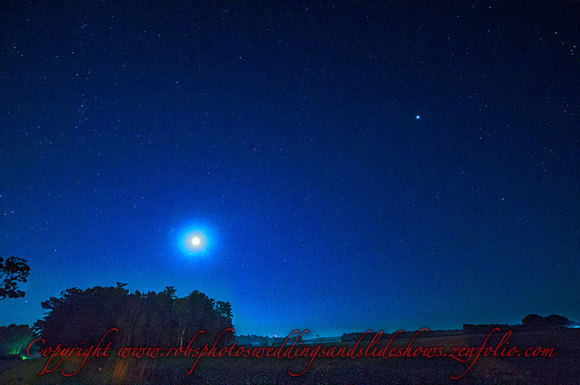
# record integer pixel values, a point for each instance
(562, 368)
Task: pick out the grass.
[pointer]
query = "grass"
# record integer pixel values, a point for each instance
(561, 369)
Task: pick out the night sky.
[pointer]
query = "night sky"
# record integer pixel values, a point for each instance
(345, 166)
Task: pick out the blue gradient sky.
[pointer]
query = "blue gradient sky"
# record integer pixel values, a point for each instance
(288, 136)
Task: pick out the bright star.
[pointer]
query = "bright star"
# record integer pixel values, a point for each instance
(418, 117)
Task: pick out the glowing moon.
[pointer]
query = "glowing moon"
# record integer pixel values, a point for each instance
(198, 240)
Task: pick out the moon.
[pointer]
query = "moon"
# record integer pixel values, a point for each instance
(198, 241)
(195, 242)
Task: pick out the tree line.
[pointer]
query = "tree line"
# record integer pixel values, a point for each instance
(80, 316)
(530, 323)
(143, 319)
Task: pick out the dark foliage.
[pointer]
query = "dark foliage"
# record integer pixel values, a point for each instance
(143, 320)
(537, 321)
(12, 271)
(531, 322)
(534, 320)
(14, 339)
(486, 328)
(558, 320)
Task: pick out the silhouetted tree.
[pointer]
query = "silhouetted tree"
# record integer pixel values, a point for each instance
(12, 271)
(81, 315)
(170, 291)
(14, 339)
(534, 320)
(557, 321)
(224, 309)
(144, 320)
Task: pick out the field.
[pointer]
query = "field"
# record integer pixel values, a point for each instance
(561, 368)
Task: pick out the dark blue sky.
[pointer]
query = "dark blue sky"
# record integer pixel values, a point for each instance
(352, 167)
